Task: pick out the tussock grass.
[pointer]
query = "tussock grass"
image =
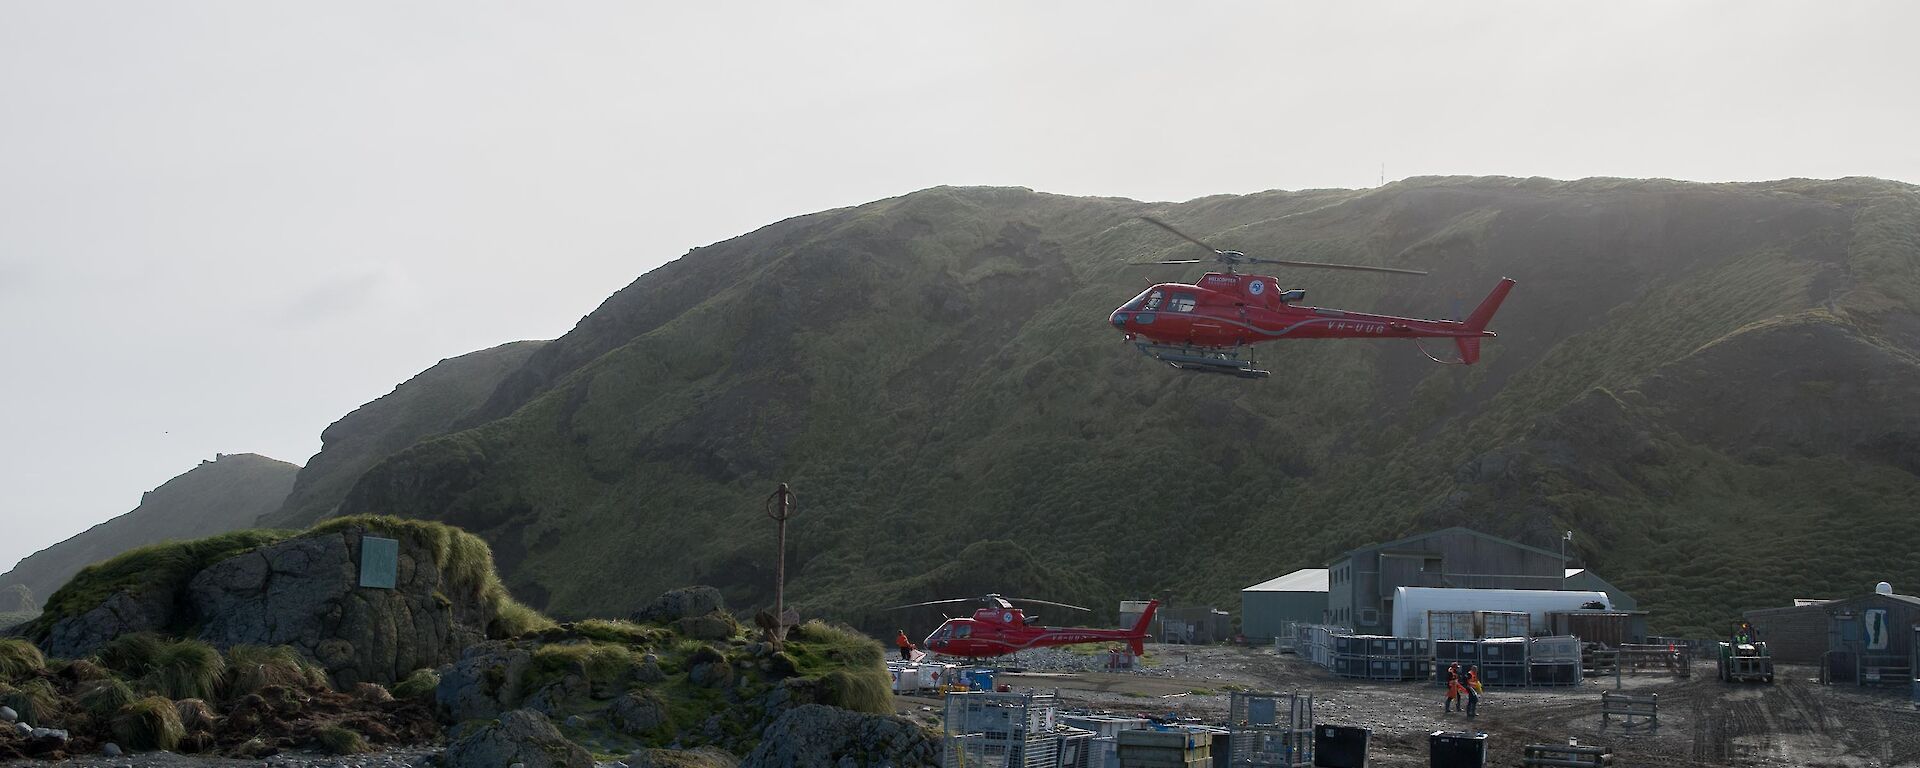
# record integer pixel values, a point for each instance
(132, 655)
(19, 659)
(35, 701)
(597, 662)
(849, 666)
(341, 741)
(618, 631)
(418, 686)
(102, 699)
(251, 668)
(148, 724)
(187, 669)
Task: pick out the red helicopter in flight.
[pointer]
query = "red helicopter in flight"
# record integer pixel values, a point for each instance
(1207, 326)
(999, 629)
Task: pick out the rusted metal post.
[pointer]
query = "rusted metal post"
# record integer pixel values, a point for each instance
(780, 507)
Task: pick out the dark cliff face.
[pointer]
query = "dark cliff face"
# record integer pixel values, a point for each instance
(422, 407)
(223, 495)
(934, 370)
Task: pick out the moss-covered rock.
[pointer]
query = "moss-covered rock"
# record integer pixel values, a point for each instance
(418, 686)
(520, 736)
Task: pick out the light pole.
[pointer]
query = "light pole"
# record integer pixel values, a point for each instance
(1564, 541)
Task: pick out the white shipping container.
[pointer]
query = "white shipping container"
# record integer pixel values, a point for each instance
(1411, 604)
(1450, 625)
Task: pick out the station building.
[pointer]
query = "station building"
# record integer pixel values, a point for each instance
(1356, 589)
(1868, 639)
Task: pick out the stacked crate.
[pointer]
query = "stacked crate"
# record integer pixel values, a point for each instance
(1270, 730)
(1315, 643)
(1073, 748)
(1503, 661)
(1377, 657)
(1554, 661)
(1166, 749)
(1106, 733)
(1002, 729)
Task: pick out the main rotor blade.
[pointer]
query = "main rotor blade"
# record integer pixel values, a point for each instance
(1183, 235)
(934, 602)
(1323, 265)
(1150, 263)
(1048, 602)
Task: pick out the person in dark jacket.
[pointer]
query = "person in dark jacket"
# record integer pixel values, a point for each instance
(1454, 689)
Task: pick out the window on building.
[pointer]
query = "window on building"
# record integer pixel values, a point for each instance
(1369, 616)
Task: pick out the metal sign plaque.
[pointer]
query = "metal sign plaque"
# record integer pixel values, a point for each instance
(379, 562)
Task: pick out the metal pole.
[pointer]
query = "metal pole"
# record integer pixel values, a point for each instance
(780, 507)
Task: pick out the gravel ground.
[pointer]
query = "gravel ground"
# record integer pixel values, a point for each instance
(1703, 722)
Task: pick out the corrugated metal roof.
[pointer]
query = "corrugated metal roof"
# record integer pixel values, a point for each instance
(1303, 580)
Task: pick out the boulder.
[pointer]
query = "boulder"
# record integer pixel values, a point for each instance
(680, 603)
(484, 683)
(637, 714)
(305, 592)
(519, 736)
(122, 613)
(711, 627)
(817, 736)
(559, 696)
(7, 715)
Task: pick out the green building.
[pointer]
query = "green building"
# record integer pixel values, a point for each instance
(1268, 607)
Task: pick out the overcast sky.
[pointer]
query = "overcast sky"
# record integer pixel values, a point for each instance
(225, 225)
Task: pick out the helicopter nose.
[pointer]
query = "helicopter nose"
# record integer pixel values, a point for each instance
(1118, 318)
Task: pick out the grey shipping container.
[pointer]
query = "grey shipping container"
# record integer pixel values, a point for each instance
(1493, 624)
(1451, 625)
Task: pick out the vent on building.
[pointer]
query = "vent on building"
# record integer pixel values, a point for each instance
(1883, 588)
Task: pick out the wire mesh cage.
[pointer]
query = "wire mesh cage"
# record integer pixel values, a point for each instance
(1270, 729)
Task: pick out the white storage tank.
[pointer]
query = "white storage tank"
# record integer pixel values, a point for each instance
(1411, 604)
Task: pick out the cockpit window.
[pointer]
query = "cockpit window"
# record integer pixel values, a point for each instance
(943, 632)
(963, 631)
(1153, 301)
(1182, 302)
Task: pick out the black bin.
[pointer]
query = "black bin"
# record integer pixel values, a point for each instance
(1456, 749)
(1340, 746)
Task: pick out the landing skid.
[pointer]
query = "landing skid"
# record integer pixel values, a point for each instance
(1202, 360)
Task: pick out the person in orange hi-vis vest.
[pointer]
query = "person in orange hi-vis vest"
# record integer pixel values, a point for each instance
(906, 646)
(1473, 691)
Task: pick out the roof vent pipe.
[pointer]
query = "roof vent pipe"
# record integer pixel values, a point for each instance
(1883, 588)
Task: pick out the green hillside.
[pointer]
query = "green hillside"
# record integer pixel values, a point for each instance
(226, 494)
(424, 406)
(1711, 384)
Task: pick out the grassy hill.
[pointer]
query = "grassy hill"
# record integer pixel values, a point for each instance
(1705, 381)
(424, 406)
(228, 493)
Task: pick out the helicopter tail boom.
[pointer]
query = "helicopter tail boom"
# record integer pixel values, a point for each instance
(1136, 639)
(1476, 323)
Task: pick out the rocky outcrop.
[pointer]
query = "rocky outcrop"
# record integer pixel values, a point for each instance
(484, 683)
(816, 736)
(685, 602)
(122, 613)
(519, 736)
(305, 593)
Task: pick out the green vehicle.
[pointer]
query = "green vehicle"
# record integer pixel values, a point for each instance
(1745, 658)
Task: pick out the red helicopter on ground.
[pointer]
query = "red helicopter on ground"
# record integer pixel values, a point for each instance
(1206, 326)
(999, 629)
